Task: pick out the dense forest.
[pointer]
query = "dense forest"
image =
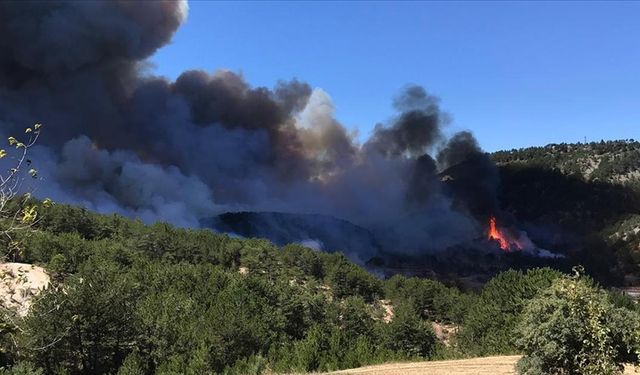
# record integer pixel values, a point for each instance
(583, 199)
(130, 298)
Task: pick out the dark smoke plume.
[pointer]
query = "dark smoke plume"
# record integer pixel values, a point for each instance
(121, 140)
(473, 175)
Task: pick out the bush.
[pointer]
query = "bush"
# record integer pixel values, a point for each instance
(573, 328)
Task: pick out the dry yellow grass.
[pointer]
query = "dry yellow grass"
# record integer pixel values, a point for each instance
(502, 365)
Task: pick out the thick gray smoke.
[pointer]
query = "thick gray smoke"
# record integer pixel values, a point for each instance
(117, 139)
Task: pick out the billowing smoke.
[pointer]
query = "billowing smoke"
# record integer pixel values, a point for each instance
(117, 139)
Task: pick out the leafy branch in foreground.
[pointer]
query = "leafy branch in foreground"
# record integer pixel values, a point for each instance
(17, 211)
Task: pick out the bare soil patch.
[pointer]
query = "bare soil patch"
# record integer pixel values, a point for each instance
(19, 284)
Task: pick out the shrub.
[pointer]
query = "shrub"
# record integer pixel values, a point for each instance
(573, 328)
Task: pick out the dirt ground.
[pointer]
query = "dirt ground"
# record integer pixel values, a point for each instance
(502, 365)
(19, 283)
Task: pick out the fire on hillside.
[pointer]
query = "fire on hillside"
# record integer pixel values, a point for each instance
(508, 239)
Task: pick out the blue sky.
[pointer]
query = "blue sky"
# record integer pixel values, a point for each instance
(515, 73)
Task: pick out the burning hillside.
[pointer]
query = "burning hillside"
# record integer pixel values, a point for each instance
(508, 239)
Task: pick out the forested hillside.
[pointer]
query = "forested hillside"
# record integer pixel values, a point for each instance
(610, 161)
(582, 198)
(156, 299)
(131, 299)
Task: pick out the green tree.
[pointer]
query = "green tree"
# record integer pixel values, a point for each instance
(85, 326)
(408, 334)
(573, 328)
(431, 299)
(134, 364)
(490, 323)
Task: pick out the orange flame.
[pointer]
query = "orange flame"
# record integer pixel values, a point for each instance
(496, 235)
(506, 241)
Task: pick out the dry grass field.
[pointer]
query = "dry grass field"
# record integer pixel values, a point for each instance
(502, 365)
